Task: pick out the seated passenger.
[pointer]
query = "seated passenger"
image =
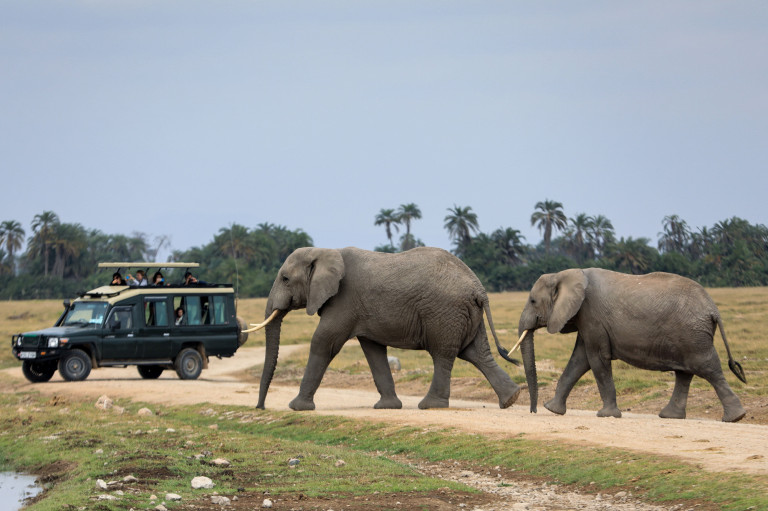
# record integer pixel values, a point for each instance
(190, 280)
(140, 280)
(157, 279)
(117, 279)
(179, 316)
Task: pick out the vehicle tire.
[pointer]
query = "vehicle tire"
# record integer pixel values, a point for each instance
(38, 372)
(241, 336)
(150, 372)
(188, 364)
(75, 365)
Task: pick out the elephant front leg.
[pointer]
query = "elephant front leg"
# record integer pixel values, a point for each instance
(577, 366)
(440, 389)
(675, 409)
(320, 356)
(376, 355)
(601, 368)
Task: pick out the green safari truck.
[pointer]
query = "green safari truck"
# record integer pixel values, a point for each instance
(152, 327)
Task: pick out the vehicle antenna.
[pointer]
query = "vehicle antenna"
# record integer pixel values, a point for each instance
(234, 256)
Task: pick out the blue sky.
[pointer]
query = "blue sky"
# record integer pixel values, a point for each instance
(179, 118)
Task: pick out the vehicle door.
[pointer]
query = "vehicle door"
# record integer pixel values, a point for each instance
(156, 332)
(205, 320)
(119, 341)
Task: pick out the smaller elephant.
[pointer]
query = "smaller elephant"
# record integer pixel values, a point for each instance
(425, 299)
(659, 321)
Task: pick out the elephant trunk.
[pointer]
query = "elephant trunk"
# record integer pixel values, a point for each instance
(270, 356)
(529, 363)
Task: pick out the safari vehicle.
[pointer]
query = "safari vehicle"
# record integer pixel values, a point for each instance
(121, 325)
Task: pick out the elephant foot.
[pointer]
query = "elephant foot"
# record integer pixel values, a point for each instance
(609, 411)
(433, 402)
(392, 403)
(555, 407)
(300, 404)
(734, 414)
(672, 412)
(510, 400)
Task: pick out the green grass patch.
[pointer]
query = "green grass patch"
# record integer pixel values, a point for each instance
(166, 450)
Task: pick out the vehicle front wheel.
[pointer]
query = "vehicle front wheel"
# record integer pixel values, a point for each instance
(188, 364)
(150, 372)
(38, 372)
(75, 365)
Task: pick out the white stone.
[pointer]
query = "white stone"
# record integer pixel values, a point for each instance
(173, 497)
(221, 462)
(219, 500)
(202, 482)
(101, 484)
(267, 503)
(104, 403)
(145, 412)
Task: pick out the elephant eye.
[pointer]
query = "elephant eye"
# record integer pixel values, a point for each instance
(285, 279)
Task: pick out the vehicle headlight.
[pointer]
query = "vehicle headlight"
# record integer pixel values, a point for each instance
(53, 342)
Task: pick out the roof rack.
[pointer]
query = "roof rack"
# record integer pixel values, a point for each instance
(149, 265)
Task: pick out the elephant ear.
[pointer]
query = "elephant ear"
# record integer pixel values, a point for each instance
(326, 272)
(567, 296)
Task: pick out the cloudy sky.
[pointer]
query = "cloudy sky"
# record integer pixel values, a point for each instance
(179, 118)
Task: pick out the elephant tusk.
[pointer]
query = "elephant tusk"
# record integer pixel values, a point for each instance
(259, 326)
(522, 336)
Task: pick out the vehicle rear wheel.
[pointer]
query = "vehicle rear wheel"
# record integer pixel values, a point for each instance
(75, 365)
(38, 372)
(188, 364)
(150, 372)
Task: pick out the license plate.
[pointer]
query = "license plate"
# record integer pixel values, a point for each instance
(28, 354)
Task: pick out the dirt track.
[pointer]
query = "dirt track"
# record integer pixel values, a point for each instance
(715, 446)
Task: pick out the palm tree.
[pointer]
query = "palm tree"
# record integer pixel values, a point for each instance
(550, 216)
(461, 223)
(12, 238)
(676, 235)
(43, 225)
(406, 214)
(632, 255)
(388, 218)
(578, 238)
(509, 244)
(600, 234)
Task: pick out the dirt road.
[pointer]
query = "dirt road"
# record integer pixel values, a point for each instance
(713, 445)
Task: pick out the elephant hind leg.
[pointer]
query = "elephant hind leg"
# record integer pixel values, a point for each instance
(478, 353)
(733, 411)
(675, 409)
(440, 388)
(376, 355)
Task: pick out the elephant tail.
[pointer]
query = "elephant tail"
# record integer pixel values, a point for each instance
(502, 351)
(734, 366)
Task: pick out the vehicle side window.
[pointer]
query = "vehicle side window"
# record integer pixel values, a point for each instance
(156, 311)
(219, 310)
(120, 318)
(194, 310)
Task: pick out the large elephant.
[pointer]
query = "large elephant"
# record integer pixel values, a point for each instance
(424, 298)
(659, 321)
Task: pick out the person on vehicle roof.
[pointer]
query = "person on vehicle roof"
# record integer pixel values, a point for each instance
(191, 280)
(139, 280)
(157, 279)
(117, 279)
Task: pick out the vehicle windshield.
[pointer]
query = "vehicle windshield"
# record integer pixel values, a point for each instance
(86, 313)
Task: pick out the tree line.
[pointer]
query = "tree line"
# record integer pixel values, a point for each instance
(60, 259)
(733, 252)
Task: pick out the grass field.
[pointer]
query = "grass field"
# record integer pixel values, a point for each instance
(72, 444)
